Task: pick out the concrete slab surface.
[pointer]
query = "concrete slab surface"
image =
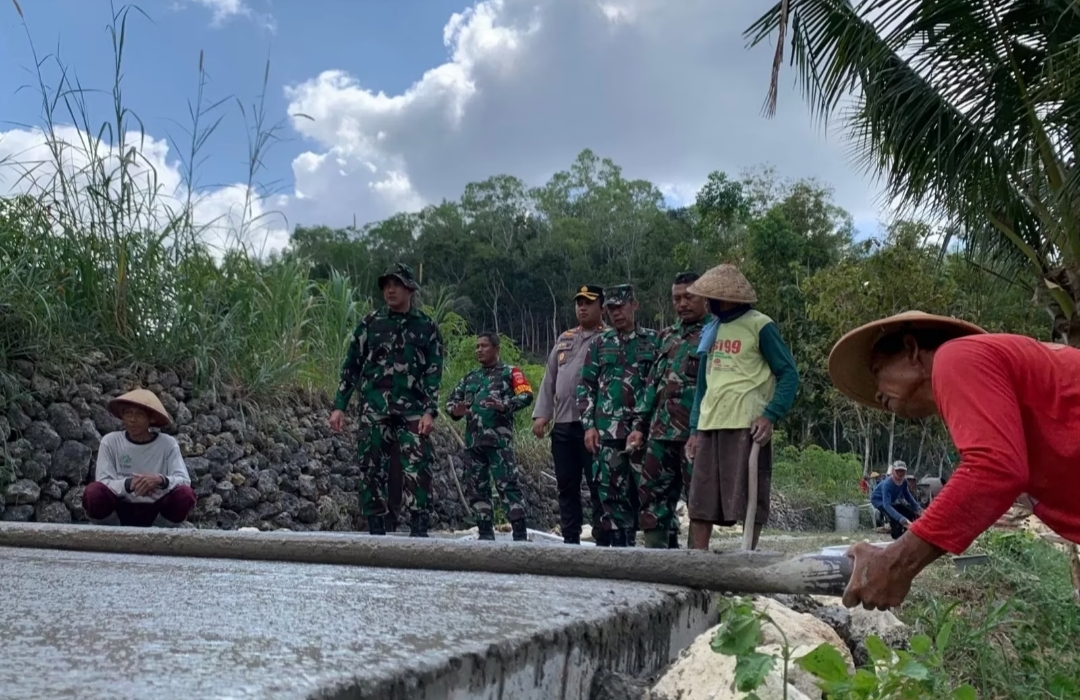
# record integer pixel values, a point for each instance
(97, 625)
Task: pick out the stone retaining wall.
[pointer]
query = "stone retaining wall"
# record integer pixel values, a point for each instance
(273, 467)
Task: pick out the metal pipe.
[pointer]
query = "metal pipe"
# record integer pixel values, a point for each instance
(735, 572)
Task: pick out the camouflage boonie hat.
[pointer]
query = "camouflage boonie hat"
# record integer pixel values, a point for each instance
(618, 295)
(403, 273)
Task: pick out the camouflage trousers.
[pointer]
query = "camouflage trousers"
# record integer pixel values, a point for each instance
(618, 479)
(377, 438)
(665, 476)
(484, 464)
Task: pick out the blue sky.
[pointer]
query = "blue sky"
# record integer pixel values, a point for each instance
(669, 91)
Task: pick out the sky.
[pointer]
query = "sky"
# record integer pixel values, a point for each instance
(380, 106)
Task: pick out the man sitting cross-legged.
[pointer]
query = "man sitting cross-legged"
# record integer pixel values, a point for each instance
(141, 478)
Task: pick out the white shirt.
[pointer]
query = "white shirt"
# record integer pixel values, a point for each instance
(119, 458)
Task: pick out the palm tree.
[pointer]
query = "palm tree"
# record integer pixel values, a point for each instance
(970, 109)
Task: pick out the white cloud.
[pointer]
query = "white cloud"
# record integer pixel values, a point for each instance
(225, 10)
(668, 90)
(31, 160)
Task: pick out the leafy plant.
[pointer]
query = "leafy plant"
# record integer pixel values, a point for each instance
(891, 675)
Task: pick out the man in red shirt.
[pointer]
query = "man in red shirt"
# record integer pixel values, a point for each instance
(1011, 405)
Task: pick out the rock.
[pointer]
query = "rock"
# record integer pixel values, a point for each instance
(70, 461)
(42, 436)
(328, 511)
(208, 423)
(702, 674)
(20, 492)
(183, 415)
(20, 421)
(45, 389)
(66, 421)
(207, 508)
(54, 490)
(306, 487)
(307, 513)
(267, 482)
(52, 512)
(168, 380)
(104, 421)
(217, 453)
(246, 497)
(73, 502)
(197, 466)
(34, 467)
(863, 623)
(20, 514)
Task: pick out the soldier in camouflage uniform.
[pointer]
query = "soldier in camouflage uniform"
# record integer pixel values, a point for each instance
(612, 385)
(394, 363)
(665, 417)
(490, 396)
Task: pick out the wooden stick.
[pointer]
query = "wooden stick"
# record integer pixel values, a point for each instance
(735, 572)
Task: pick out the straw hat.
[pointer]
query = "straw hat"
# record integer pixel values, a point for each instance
(849, 361)
(724, 283)
(142, 398)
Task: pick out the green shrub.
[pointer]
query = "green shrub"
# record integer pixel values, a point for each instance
(814, 479)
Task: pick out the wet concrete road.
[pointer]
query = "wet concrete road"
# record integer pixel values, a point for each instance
(88, 625)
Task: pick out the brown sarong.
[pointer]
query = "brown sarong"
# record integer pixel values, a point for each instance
(719, 485)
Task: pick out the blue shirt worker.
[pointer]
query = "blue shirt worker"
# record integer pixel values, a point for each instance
(893, 498)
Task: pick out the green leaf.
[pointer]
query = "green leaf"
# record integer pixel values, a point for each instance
(921, 644)
(910, 668)
(738, 635)
(878, 650)
(752, 669)
(964, 692)
(943, 636)
(864, 681)
(824, 662)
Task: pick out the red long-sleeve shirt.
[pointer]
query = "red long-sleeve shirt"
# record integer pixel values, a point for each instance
(1012, 408)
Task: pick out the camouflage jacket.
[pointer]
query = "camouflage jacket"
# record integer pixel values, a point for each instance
(484, 426)
(395, 363)
(669, 394)
(613, 380)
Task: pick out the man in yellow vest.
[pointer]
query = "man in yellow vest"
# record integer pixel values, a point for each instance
(746, 382)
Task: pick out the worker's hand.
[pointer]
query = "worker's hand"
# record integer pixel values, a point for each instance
(459, 410)
(905, 522)
(691, 448)
(540, 427)
(877, 579)
(592, 440)
(634, 441)
(145, 484)
(337, 420)
(427, 423)
(495, 405)
(761, 430)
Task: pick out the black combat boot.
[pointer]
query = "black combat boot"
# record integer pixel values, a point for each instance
(631, 538)
(521, 533)
(486, 529)
(602, 537)
(419, 525)
(376, 525)
(673, 539)
(618, 538)
(572, 538)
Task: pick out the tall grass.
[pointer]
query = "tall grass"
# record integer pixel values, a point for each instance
(100, 255)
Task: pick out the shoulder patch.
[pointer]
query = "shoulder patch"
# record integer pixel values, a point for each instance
(519, 382)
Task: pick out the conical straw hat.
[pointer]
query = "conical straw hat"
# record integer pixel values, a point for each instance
(142, 398)
(724, 283)
(849, 360)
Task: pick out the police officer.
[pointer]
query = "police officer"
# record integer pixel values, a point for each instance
(556, 403)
